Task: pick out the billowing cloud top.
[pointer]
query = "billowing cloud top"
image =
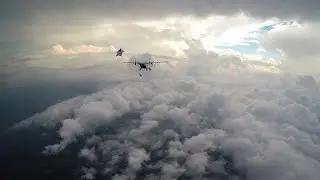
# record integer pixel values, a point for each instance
(181, 128)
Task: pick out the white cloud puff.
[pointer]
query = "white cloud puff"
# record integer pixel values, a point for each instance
(136, 157)
(89, 154)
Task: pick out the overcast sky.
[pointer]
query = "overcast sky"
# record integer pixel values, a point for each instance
(154, 9)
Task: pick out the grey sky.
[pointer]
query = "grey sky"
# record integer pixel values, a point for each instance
(21, 19)
(155, 8)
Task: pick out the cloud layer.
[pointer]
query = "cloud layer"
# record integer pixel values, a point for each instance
(154, 8)
(258, 128)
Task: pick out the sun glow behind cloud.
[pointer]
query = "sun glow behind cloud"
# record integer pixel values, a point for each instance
(239, 33)
(176, 36)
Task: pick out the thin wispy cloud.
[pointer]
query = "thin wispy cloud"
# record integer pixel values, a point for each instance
(59, 49)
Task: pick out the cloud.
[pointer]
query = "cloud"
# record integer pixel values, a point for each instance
(136, 157)
(252, 127)
(103, 66)
(154, 8)
(174, 38)
(99, 27)
(157, 36)
(197, 162)
(89, 154)
(89, 173)
(298, 43)
(58, 49)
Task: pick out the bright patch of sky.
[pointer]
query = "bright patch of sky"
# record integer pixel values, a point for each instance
(246, 40)
(238, 34)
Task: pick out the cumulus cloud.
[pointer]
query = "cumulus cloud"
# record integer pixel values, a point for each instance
(299, 44)
(89, 154)
(89, 173)
(254, 128)
(171, 170)
(136, 157)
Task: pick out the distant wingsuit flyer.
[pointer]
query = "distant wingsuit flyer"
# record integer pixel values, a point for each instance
(119, 52)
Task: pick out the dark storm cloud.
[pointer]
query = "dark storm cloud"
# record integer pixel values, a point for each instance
(155, 8)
